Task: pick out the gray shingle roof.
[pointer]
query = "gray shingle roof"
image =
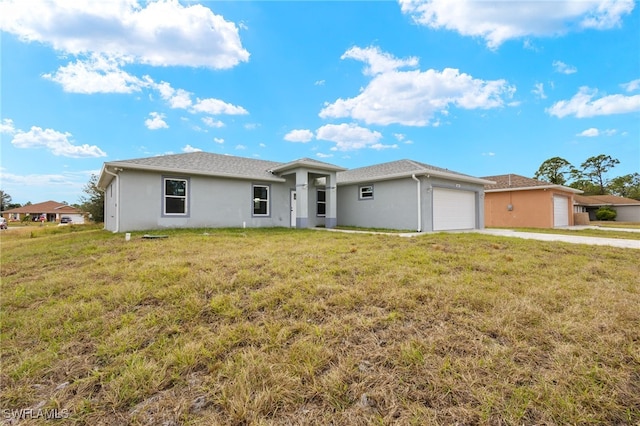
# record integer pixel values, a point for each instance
(399, 169)
(205, 163)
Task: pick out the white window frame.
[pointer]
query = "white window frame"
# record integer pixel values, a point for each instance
(365, 192)
(255, 200)
(185, 197)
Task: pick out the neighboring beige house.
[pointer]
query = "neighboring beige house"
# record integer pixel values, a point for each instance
(628, 209)
(518, 201)
(52, 210)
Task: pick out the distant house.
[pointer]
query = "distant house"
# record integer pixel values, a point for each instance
(518, 201)
(628, 209)
(210, 190)
(51, 210)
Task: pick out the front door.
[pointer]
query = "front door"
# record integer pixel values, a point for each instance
(294, 210)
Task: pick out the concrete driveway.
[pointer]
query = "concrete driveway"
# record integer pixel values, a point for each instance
(575, 239)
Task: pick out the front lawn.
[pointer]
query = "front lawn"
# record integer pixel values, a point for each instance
(282, 326)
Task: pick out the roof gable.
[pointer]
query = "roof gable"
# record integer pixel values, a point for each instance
(308, 162)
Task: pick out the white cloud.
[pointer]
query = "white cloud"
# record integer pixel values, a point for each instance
(177, 98)
(379, 146)
(55, 183)
(399, 136)
(212, 123)
(582, 105)
(299, 135)
(378, 62)
(218, 140)
(7, 126)
(96, 74)
(348, 137)
(414, 97)
(180, 98)
(538, 90)
(631, 86)
(60, 144)
(262, 145)
(162, 33)
(321, 155)
(216, 106)
(497, 22)
(589, 133)
(241, 147)
(189, 148)
(319, 83)
(156, 121)
(489, 154)
(593, 132)
(563, 68)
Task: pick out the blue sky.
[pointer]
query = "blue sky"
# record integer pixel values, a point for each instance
(479, 87)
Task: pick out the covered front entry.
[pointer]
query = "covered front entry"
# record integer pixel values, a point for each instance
(453, 209)
(311, 176)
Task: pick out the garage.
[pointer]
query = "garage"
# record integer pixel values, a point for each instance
(560, 211)
(453, 209)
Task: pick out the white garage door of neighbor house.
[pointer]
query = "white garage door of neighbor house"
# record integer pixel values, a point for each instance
(560, 210)
(453, 209)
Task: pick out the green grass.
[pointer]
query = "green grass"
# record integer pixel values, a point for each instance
(280, 326)
(607, 224)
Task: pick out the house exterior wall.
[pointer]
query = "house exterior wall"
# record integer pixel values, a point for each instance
(395, 203)
(627, 213)
(531, 208)
(211, 202)
(392, 206)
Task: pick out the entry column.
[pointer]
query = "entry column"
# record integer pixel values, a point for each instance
(302, 199)
(331, 210)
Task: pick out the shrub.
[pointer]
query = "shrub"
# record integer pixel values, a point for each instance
(606, 213)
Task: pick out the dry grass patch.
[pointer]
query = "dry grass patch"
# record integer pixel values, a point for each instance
(304, 327)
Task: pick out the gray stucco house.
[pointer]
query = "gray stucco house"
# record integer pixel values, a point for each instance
(211, 190)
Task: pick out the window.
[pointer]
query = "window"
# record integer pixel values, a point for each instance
(175, 196)
(321, 203)
(260, 200)
(366, 192)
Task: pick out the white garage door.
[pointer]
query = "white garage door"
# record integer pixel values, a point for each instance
(560, 210)
(453, 209)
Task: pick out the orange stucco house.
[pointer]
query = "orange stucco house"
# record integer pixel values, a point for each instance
(518, 201)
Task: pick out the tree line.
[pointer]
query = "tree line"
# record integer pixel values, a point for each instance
(590, 177)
